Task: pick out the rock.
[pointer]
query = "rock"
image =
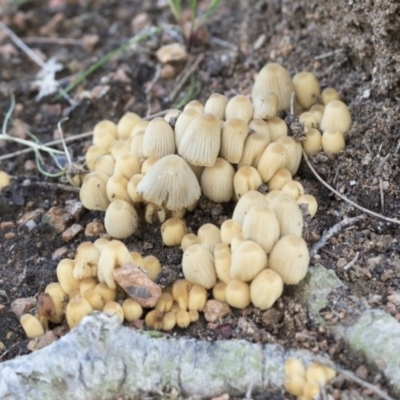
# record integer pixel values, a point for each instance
(75, 208)
(215, 309)
(271, 317)
(57, 218)
(71, 232)
(2, 308)
(94, 229)
(171, 52)
(41, 341)
(58, 253)
(100, 358)
(34, 215)
(23, 305)
(6, 225)
(138, 285)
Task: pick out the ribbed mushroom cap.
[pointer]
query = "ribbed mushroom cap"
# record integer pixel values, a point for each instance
(274, 78)
(159, 138)
(216, 104)
(217, 181)
(307, 88)
(201, 142)
(336, 116)
(170, 182)
(121, 219)
(290, 259)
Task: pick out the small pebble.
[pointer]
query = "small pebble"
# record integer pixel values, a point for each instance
(26, 182)
(215, 309)
(31, 225)
(9, 235)
(6, 225)
(59, 253)
(94, 229)
(22, 306)
(71, 232)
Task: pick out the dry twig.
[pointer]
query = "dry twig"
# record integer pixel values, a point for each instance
(352, 262)
(52, 143)
(333, 231)
(365, 210)
(352, 377)
(186, 74)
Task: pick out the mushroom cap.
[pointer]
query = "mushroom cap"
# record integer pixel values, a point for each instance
(170, 182)
(274, 78)
(201, 142)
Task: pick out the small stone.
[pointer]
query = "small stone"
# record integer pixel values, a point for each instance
(6, 225)
(171, 52)
(138, 285)
(2, 308)
(137, 324)
(89, 41)
(94, 229)
(21, 306)
(58, 253)
(271, 317)
(168, 71)
(362, 372)
(386, 275)
(140, 21)
(31, 225)
(394, 298)
(29, 165)
(57, 218)
(215, 309)
(71, 232)
(75, 208)
(41, 341)
(29, 216)
(2, 346)
(26, 183)
(61, 330)
(9, 235)
(224, 396)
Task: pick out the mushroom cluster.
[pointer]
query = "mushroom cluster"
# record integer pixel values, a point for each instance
(251, 257)
(228, 150)
(87, 284)
(306, 383)
(222, 149)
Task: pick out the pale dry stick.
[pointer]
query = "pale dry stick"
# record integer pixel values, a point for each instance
(186, 74)
(352, 377)
(365, 210)
(150, 88)
(65, 188)
(382, 195)
(46, 145)
(158, 114)
(331, 53)
(333, 231)
(50, 40)
(352, 262)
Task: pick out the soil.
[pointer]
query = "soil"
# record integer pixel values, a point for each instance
(241, 39)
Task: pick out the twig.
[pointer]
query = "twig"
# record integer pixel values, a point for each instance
(352, 262)
(329, 54)
(374, 214)
(333, 231)
(158, 114)
(382, 195)
(52, 143)
(150, 88)
(185, 77)
(352, 377)
(66, 188)
(50, 40)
